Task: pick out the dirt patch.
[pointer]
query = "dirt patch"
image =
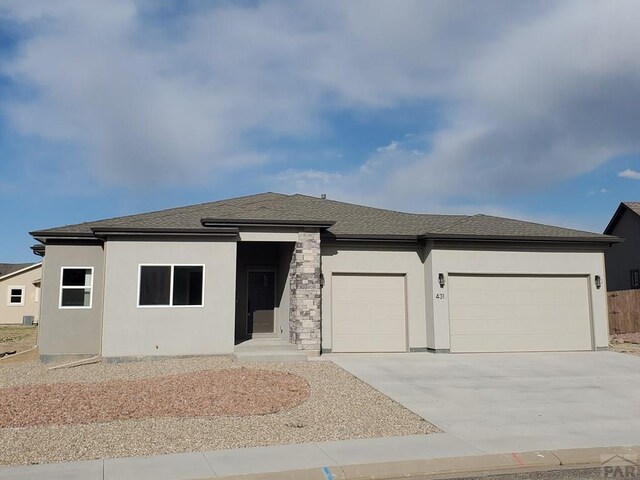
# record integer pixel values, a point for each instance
(211, 393)
(628, 348)
(625, 338)
(14, 335)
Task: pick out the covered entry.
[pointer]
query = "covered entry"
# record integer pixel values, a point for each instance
(262, 290)
(369, 313)
(515, 313)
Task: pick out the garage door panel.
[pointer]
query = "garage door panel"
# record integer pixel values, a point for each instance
(368, 313)
(495, 313)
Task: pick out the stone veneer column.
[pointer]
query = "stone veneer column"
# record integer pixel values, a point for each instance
(305, 307)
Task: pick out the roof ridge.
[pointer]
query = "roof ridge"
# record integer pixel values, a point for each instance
(367, 206)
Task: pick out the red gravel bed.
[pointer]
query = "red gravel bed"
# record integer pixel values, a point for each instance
(208, 393)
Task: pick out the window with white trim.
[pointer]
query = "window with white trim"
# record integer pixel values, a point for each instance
(16, 296)
(76, 287)
(171, 286)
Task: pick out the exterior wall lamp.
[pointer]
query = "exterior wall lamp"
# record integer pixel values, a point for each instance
(441, 280)
(598, 281)
(321, 280)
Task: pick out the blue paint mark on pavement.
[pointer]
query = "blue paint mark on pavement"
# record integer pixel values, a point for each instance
(327, 473)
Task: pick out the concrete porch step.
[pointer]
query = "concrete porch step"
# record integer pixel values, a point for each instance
(271, 356)
(268, 350)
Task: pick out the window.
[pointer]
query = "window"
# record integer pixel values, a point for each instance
(76, 287)
(635, 278)
(16, 296)
(171, 285)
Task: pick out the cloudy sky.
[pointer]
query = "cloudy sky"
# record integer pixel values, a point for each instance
(522, 109)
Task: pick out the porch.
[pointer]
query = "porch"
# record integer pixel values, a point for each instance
(278, 297)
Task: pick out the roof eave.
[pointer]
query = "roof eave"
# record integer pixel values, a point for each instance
(519, 238)
(105, 232)
(616, 216)
(23, 270)
(355, 237)
(237, 222)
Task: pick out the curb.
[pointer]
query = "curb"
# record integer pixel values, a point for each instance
(455, 466)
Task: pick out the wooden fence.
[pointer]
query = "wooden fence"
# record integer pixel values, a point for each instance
(624, 311)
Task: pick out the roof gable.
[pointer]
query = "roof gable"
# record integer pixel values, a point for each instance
(633, 207)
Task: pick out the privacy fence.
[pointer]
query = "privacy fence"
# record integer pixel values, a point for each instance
(624, 311)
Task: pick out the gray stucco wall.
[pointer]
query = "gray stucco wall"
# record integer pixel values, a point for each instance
(376, 259)
(500, 260)
(130, 330)
(70, 331)
(625, 256)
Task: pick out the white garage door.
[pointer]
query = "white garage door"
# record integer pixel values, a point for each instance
(368, 313)
(490, 313)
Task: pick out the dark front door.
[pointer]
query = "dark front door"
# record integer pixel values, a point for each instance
(260, 302)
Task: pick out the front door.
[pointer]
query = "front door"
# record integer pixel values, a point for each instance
(261, 302)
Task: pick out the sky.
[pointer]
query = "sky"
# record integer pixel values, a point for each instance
(529, 110)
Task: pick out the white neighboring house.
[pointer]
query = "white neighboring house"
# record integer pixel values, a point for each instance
(19, 292)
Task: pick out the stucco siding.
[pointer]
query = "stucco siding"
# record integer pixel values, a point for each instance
(12, 313)
(522, 262)
(377, 260)
(625, 256)
(130, 330)
(70, 331)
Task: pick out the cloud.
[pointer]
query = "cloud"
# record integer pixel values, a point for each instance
(528, 93)
(393, 146)
(305, 181)
(628, 173)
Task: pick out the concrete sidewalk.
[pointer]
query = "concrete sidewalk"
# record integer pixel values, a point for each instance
(411, 456)
(222, 463)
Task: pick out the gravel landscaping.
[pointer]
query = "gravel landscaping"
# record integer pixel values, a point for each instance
(338, 407)
(207, 393)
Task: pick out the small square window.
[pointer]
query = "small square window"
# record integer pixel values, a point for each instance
(16, 296)
(76, 287)
(635, 278)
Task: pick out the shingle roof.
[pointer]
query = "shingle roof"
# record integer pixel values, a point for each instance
(634, 206)
(346, 219)
(7, 268)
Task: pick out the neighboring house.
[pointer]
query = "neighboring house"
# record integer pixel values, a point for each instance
(324, 275)
(623, 260)
(19, 292)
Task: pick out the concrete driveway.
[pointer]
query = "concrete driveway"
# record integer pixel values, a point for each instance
(514, 402)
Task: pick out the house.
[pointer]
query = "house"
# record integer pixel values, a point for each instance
(623, 260)
(20, 292)
(324, 275)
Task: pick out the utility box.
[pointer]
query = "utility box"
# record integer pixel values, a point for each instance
(27, 320)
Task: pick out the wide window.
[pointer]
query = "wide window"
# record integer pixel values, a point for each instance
(171, 285)
(16, 296)
(76, 287)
